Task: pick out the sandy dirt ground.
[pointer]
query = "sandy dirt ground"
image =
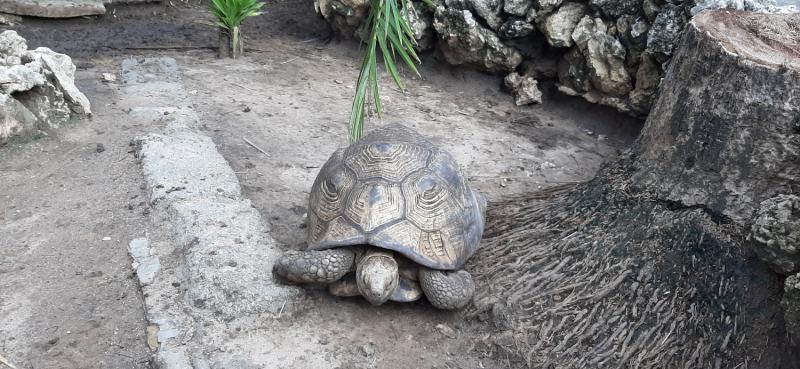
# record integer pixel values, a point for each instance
(68, 296)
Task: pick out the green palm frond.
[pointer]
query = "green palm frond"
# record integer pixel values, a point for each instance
(387, 29)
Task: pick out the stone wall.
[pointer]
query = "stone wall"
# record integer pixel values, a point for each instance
(611, 52)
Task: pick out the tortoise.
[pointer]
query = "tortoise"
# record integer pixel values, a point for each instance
(389, 218)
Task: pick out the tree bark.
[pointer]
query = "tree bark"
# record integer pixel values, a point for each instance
(649, 264)
(724, 133)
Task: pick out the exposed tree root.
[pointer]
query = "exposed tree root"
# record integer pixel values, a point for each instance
(602, 275)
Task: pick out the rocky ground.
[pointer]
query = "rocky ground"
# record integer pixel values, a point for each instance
(70, 208)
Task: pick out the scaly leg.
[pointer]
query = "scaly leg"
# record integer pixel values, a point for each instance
(324, 266)
(447, 290)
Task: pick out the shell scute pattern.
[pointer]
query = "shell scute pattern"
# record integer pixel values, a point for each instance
(373, 204)
(430, 201)
(389, 161)
(396, 190)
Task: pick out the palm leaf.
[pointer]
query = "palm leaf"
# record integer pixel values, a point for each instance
(388, 30)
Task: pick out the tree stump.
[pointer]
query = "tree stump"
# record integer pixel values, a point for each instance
(649, 264)
(725, 132)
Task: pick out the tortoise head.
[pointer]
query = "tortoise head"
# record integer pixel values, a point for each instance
(377, 276)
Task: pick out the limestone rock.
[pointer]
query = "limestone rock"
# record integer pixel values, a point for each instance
(43, 88)
(465, 42)
(605, 57)
(525, 89)
(776, 233)
(18, 78)
(12, 44)
(615, 8)
(517, 7)
(63, 77)
(547, 6)
(515, 28)
(15, 119)
(791, 302)
(420, 20)
(665, 33)
(558, 27)
(488, 10)
(344, 16)
(648, 78)
(585, 30)
(760, 6)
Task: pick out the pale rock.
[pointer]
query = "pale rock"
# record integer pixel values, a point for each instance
(605, 57)
(10, 60)
(525, 89)
(488, 10)
(757, 6)
(420, 20)
(465, 42)
(517, 7)
(586, 29)
(344, 16)
(547, 6)
(12, 44)
(18, 78)
(558, 26)
(63, 77)
(15, 119)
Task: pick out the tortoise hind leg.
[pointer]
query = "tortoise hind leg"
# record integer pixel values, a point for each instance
(324, 266)
(447, 290)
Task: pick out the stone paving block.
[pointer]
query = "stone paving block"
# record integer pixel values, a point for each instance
(182, 164)
(229, 256)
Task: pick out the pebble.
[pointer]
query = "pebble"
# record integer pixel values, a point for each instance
(338, 82)
(106, 238)
(446, 331)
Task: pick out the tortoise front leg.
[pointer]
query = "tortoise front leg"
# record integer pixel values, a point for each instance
(324, 266)
(447, 290)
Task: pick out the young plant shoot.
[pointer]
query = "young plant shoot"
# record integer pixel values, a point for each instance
(229, 14)
(388, 30)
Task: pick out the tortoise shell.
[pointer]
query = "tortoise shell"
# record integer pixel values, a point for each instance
(396, 190)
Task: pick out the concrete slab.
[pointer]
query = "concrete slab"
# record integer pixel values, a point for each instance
(182, 164)
(229, 257)
(60, 8)
(216, 270)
